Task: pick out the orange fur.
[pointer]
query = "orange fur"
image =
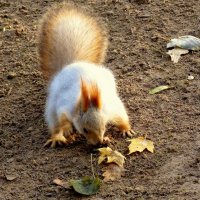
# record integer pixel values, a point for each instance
(63, 125)
(122, 124)
(58, 133)
(95, 96)
(67, 35)
(90, 95)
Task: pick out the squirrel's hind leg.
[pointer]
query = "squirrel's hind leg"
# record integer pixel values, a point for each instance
(124, 126)
(121, 119)
(60, 134)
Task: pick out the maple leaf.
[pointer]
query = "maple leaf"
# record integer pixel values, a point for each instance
(140, 144)
(111, 156)
(112, 172)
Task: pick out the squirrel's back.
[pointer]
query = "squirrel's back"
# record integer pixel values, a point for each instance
(69, 35)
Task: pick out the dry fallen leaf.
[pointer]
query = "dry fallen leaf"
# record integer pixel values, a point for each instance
(10, 177)
(140, 144)
(59, 182)
(112, 172)
(176, 54)
(158, 89)
(111, 156)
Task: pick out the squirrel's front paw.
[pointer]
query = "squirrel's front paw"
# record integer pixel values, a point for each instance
(56, 139)
(67, 133)
(106, 140)
(128, 133)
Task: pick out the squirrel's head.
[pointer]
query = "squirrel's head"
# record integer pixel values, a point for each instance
(93, 126)
(90, 121)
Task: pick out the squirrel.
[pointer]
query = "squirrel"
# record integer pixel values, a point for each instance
(82, 92)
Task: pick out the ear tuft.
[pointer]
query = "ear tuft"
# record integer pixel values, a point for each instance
(84, 96)
(95, 96)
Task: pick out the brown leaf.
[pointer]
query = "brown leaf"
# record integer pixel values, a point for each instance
(59, 182)
(112, 172)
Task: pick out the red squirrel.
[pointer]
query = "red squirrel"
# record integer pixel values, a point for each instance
(82, 92)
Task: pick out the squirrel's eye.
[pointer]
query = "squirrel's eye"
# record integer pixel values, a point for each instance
(85, 130)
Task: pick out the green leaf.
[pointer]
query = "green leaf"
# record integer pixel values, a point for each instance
(158, 89)
(185, 42)
(86, 185)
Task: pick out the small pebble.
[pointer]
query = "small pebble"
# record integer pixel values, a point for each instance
(30, 129)
(10, 177)
(11, 75)
(190, 77)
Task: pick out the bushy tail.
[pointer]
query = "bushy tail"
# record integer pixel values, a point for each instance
(67, 35)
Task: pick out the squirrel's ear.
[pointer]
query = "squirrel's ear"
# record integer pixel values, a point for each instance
(84, 96)
(95, 96)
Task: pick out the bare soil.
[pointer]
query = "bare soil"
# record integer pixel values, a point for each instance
(139, 31)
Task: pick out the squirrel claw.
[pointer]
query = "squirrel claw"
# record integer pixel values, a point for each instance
(68, 132)
(128, 133)
(106, 140)
(56, 139)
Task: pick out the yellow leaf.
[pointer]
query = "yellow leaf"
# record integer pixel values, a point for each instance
(111, 156)
(104, 152)
(140, 144)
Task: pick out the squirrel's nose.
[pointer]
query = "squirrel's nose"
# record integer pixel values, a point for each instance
(100, 138)
(95, 141)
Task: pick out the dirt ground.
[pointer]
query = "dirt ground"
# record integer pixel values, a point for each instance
(139, 31)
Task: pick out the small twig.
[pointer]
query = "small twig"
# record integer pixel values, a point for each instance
(92, 167)
(10, 90)
(145, 136)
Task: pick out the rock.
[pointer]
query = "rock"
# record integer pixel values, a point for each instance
(11, 75)
(10, 177)
(190, 77)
